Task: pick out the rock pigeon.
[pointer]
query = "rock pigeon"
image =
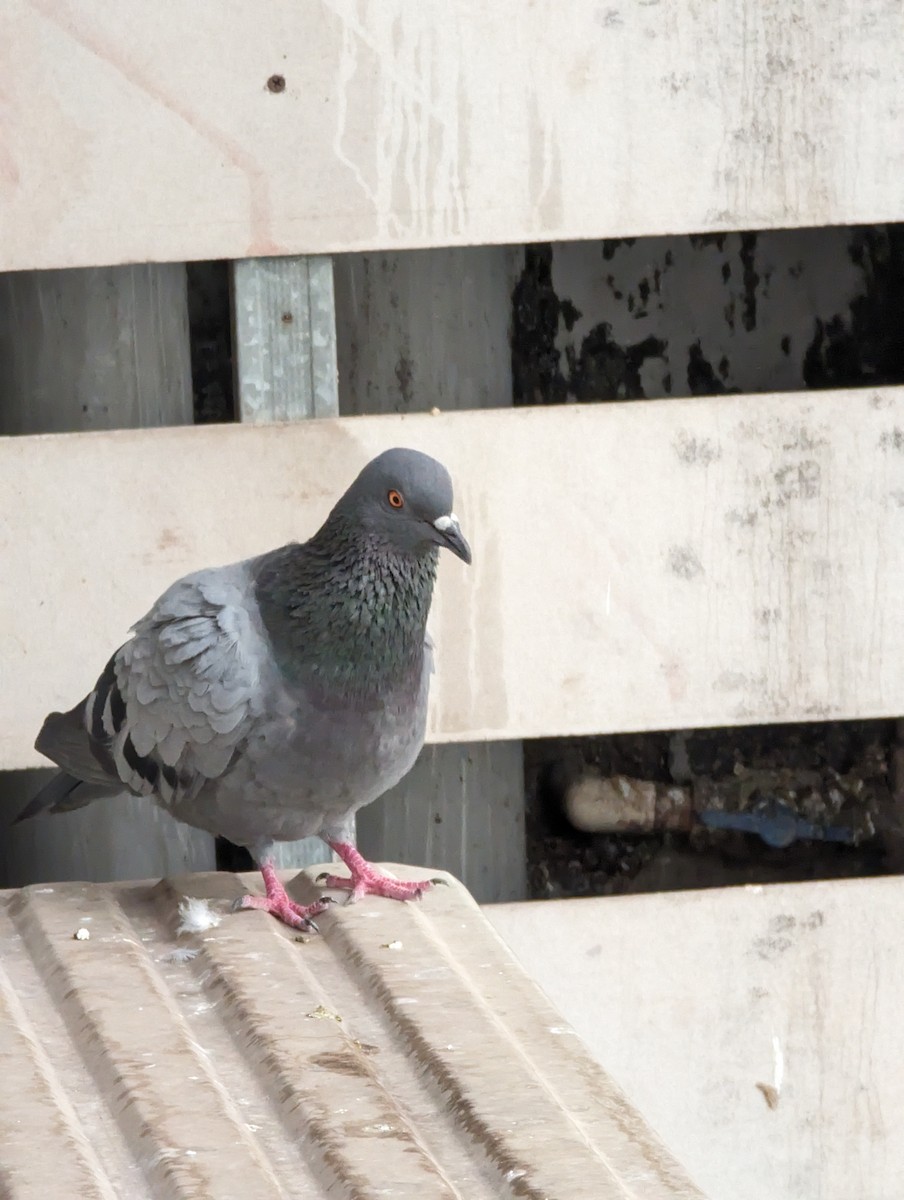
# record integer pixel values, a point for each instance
(268, 700)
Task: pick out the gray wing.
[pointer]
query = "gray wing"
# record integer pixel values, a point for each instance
(176, 701)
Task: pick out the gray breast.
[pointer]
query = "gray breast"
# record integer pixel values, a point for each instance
(310, 764)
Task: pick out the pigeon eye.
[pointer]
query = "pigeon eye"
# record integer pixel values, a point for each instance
(395, 499)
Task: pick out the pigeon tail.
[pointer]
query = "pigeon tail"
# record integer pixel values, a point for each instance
(82, 780)
(63, 794)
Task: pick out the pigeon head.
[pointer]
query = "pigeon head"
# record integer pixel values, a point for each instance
(405, 498)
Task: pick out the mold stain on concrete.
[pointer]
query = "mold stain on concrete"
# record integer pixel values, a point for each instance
(864, 344)
(684, 563)
(701, 378)
(693, 451)
(598, 368)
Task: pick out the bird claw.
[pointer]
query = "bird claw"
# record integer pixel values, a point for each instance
(281, 906)
(373, 884)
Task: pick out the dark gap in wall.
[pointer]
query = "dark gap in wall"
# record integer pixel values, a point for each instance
(213, 383)
(210, 326)
(647, 318)
(712, 807)
(641, 318)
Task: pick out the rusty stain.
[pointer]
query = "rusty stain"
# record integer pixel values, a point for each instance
(343, 1062)
(287, 318)
(770, 1094)
(168, 539)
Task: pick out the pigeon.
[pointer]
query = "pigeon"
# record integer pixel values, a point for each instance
(270, 699)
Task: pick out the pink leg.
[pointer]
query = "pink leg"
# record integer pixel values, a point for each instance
(366, 880)
(277, 902)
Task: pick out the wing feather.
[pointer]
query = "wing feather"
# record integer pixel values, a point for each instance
(177, 700)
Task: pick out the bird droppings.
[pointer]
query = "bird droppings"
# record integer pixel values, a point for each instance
(513, 1174)
(323, 1014)
(397, 945)
(197, 916)
(365, 1047)
(181, 954)
(82, 934)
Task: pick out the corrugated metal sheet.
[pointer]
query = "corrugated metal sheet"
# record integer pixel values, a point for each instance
(403, 1053)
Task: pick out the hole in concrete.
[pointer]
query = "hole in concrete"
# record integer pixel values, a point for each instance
(712, 807)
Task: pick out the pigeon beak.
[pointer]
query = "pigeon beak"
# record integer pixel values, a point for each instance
(452, 537)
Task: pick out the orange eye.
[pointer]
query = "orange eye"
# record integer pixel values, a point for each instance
(395, 499)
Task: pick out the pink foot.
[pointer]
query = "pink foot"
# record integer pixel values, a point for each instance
(366, 880)
(278, 903)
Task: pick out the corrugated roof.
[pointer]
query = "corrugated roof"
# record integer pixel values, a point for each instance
(403, 1053)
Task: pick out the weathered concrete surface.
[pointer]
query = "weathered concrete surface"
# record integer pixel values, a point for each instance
(392, 125)
(758, 1029)
(725, 561)
(403, 1053)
